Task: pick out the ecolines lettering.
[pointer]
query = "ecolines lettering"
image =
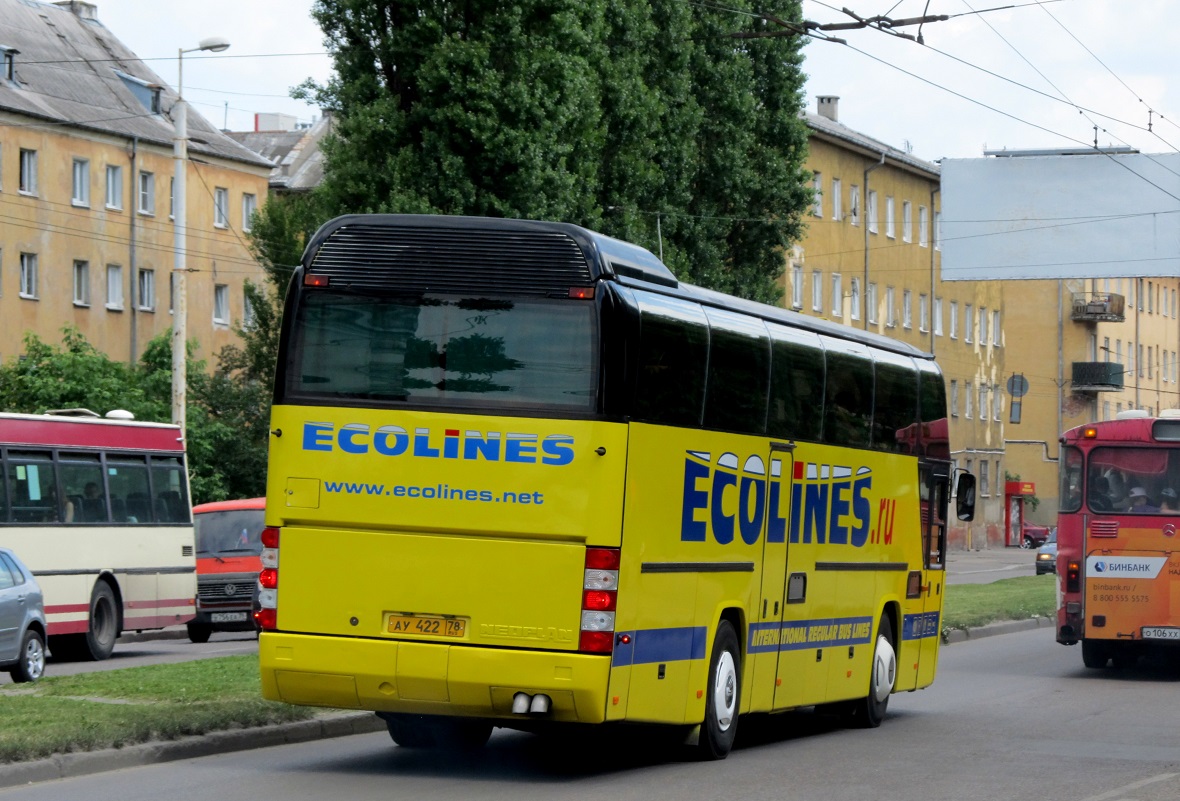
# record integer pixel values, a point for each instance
(829, 505)
(493, 446)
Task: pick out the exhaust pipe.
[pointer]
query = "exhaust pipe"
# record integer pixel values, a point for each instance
(539, 704)
(520, 703)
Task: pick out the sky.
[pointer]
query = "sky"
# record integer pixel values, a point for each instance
(1029, 75)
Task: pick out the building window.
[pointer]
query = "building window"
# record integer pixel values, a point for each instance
(871, 302)
(938, 317)
(81, 283)
(147, 193)
(172, 198)
(907, 308)
(907, 221)
(889, 230)
(1140, 347)
(81, 186)
(855, 300)
(1106, 349)
(854, 204)
(954, 319)
(982, 401)
(938, 230)
(1118, 351)
(968, 323)
(982, 325)
(968, 413)
(954, 398)
(28, 172)
(923, 313)
(114, 287)
(871, 212)
(248, 317)
(923, 224)
(983, 476)
(1105, 410)
(28, 275)
(817, 291)
(1131, 358)
(796, 286)
(1150, 361)
(997, 402)
(221, 304)
(146, 290)
(996, 338)
(837, 201)
(1150, 292)
(837, 295)
(220, 207)
(249, 206)
(890, 311)
(114, 187)
(817, 186)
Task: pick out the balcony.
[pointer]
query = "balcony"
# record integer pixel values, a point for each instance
(1097, 376)
(1098, 307)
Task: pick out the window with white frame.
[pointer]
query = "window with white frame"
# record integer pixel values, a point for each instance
(147, 193)
(854, 204)
(28, 172)
(923, 313)
(221, 304)
(114, 287)
(796, 286)
(923, 225)
(81, 283)
(220, 207)
(114, 187)
(837, 200)
(837, 295)
(890, 309)
(871, 302)
(871, 212)
(938, 230)
(1105, 410)
(982, 325)
(907, 221)
(997, 402)
(996, 338)
(1118, 351)
(969, 412)
(938, 317)
(983, 475)
(907, 308)
(817, 291)
(817, 187)
(968, 323)
(855, 299)
(81, 183)
(249, 206)
(889, 229)
(248, 316)
(982, 401)
(954, 398)
(28, 275)
(954, 333)
(1106, 349)
(146, 291)
(172, 198)
(1140, 359)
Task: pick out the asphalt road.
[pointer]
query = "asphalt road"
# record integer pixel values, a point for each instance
(1013, 718)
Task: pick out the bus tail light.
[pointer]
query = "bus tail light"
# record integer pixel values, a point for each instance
(1073, 576)
(600, 593)
(268, 581)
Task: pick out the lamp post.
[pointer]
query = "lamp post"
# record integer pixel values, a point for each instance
(179, 303)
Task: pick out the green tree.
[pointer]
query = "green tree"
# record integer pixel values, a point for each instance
(644, 119)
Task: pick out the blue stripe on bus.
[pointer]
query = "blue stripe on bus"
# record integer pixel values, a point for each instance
(799, 634)
(921, 626)
(660, 645)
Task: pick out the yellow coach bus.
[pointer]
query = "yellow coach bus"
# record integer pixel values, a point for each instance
(521, 476)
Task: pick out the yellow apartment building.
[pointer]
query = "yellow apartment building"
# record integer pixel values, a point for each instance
(86, 174)
(871, 259)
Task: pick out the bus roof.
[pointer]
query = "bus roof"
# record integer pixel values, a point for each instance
(1139, 428)
(46, 430)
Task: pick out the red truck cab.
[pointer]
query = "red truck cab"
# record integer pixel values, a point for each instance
(228, 548)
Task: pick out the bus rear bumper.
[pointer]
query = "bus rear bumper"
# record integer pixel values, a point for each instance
(430, 678)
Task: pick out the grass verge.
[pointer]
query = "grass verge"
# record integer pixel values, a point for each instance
(111, 709)
(1020, 598)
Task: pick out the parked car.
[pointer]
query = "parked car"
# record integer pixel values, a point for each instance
(1032, 535)
(22, 620)
(228, 547)
(1047, 555)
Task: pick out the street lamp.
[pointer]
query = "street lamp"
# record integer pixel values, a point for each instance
(179, 303)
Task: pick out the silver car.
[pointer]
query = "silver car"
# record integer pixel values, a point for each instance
(22, 620)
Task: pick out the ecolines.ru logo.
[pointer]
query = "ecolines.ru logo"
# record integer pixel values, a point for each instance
(829, 503)
(493, 446)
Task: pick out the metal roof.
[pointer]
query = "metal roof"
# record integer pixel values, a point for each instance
(822, 125)
(67, 70)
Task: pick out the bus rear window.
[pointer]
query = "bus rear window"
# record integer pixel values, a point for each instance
(444, 350)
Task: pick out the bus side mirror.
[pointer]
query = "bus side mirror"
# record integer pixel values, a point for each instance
(965, 496)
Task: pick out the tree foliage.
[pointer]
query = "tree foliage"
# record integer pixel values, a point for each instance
(644, 119)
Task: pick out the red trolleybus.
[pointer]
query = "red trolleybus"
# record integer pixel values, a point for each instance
(99, 511)
(1118, 559)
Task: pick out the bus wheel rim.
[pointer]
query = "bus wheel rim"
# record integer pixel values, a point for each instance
(884, 669)
(725, 691)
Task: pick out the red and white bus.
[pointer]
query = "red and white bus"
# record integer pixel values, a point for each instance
(1118, 553)
(99, 510)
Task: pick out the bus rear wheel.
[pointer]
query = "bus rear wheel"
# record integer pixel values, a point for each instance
(99, 640)
(1094, 654)
(722, 697)
(429, 731)
(882, 676)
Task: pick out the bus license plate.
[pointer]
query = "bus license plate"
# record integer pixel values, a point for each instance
(1161, 633)
(427, 625)
(228, 617)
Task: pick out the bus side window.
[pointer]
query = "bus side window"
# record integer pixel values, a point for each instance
(673, 349)
(796, 385)
(895, 402)
(848, 401)
(739, 374)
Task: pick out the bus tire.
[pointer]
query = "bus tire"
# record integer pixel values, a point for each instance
(104, 623)
(199, 632)
(1094, 654)
(723, 696)
(428, 731)
(882, 677)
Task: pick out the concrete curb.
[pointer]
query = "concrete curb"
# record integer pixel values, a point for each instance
(65, 766)
(992, 629)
